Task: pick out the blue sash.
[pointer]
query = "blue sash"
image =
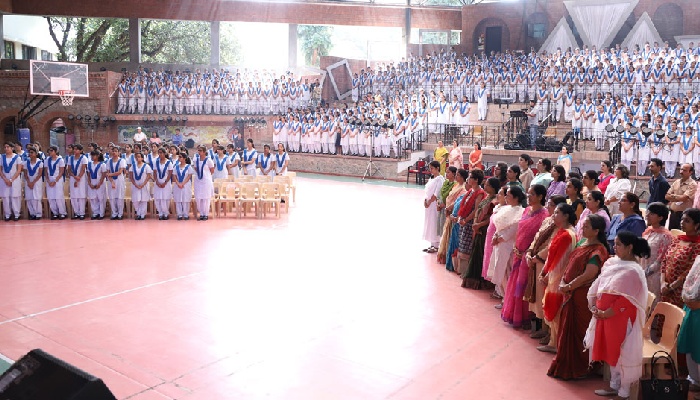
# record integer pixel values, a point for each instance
(200, 168)
(112, 168)
(93, 172)
(264, 162)
(686, 142)
(181, 176)
(249, 158)
(219, 165)
(31, 171)
(139, 174)
(161, 174)
(52, 168)
(8, 167)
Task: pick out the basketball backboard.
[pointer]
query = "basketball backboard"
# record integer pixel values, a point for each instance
(47, 78)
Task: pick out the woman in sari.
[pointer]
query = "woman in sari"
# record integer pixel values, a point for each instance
(688, 342)
(475, 158)
(559, 250)
(456, 158)
(471, 277)
(515, 309)
(445, 190)
(574, 196)
(526, 174)
(659, 239)
(558, 185)
(499, 201)
(584, 264)
(595, 204)
(618, 300)
(466, 213)
(506, 223)
(536, 257)
(680, 257)
(450, 200)
(453, 246)
(440, 155)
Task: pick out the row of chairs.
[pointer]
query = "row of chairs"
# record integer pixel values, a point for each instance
(260, 195)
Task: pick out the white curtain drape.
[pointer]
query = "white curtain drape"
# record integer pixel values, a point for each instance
(598, 21)
(561, 37)
(643, 31)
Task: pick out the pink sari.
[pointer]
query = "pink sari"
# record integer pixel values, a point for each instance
(515, 308)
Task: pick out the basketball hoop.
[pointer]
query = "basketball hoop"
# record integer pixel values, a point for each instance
(66, 97)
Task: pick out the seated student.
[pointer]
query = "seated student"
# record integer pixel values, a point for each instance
(33, 184)
(97, 191)
(182, 186)
(141, 174)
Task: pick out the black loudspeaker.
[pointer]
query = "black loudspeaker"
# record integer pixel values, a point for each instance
(40, 376)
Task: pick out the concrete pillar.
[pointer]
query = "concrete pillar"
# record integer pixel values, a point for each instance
(215, 58)
(406, 31)
(293, 38)
(2, 38)
(134, 42)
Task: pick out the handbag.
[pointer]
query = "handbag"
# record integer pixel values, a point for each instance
(664, 389)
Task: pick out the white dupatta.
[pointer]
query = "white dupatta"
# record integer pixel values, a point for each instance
(626, 279)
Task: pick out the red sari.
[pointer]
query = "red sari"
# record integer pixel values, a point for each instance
(571, 362)
(676, 264)
(559, 249)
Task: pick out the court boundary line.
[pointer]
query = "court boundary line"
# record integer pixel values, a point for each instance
(107, 296)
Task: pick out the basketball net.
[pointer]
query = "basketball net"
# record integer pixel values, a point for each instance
(66, 97)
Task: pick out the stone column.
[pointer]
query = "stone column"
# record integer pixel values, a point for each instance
(293, 38)
(134, 43)
(406, 31)
(2, 38)
(215, 58)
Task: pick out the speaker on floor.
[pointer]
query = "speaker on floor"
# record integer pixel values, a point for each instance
(41, 376)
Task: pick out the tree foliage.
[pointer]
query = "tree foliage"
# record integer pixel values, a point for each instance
(315, 42)
(107, 40)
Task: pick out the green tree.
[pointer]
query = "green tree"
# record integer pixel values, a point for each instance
(315, 42)
(107, 40)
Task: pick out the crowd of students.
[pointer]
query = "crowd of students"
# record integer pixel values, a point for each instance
(213, 92)
(99, 175)
(571, 259)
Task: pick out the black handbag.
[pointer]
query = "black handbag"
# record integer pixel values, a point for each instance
(664, 389)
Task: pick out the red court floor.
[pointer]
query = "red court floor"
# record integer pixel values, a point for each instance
(335, 300)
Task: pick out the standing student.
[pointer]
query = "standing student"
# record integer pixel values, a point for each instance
(182, 190)
(250, 158)
(33, 184)
(116, 188)
(11, 187)
(97, 191)
(281, 160)
(203, 184)
(221, 162)
(141, 174)
(78, 183)
(54, 169)
(265, 162)
(162, 190)
(234, 161)
(482, 101)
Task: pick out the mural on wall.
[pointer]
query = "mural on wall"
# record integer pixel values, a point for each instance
(192, 136)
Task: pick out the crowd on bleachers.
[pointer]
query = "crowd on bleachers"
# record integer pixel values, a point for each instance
(571, 259)
(145, 172)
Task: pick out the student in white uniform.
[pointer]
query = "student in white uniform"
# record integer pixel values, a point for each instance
(221, 162)
(162, 189)
(203, 184)
(265, 162)
(482, 101)
(234, 161)
(250, 158)
(182, 188)
(11, 185)
(54, 169)
(281, 160)
(116, 188)
(33, 184)
(141, 174)
(78, 183)
(97, 191)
